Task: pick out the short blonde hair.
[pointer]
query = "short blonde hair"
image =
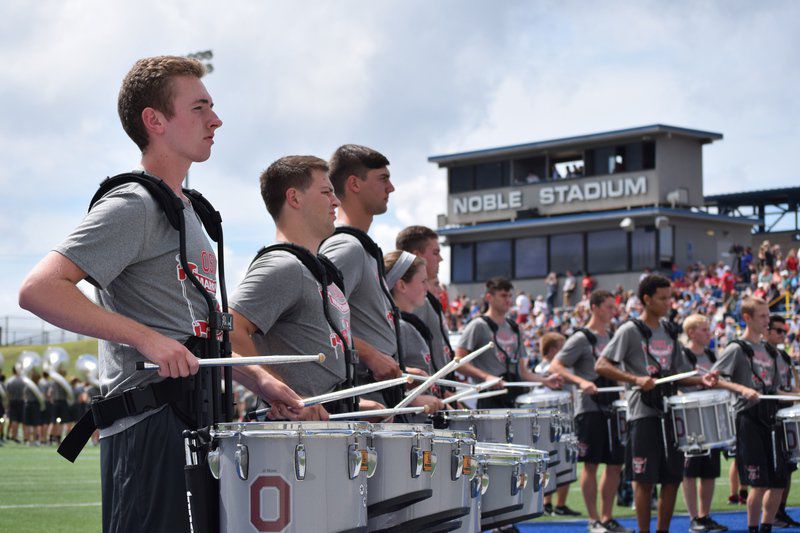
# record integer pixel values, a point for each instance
(750, 304)
(693, 322)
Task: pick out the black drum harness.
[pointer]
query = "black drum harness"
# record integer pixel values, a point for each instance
(511, 360)
(199, 401)
(325, 272)
(394, 395)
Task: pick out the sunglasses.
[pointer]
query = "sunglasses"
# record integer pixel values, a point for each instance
(779, 330)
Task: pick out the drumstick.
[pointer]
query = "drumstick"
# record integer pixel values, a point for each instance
(246, 361)
(445, 382)
(355, 391)
(446, 369)
(481, 395)
(779, 397)
(610, 389)
(668, 379)
(479, 387)
(527, 384)
(383, 413)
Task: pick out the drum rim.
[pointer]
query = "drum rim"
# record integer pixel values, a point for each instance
(290, 429)
(701, 398)
(789, 412)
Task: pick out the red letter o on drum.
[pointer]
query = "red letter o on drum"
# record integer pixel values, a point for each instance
(284, 503)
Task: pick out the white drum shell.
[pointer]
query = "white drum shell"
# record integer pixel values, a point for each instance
(702, 420)
(790, 420)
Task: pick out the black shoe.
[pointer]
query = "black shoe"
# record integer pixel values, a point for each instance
(548, 509)
(613, 526)
(713, 525)
(565, 511)
(698, 524)
(765, 528)
(780, 520)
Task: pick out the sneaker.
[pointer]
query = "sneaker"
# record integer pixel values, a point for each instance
(612, 526)
(597, 527)
(548, 509)
(713, 525)
(565, 511)
(781, 520)
(698, 524)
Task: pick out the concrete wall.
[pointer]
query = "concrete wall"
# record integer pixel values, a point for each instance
(694, 242)
(679, 163)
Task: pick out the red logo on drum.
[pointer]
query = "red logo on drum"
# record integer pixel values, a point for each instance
(281, 512)
(752, 472)
(583, 449)
(639, 465)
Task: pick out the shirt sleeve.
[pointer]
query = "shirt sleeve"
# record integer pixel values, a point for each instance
(347, 254)
(471, 337)
(726, 364)
(271, 288)
(573, 349)
(111, 236)
(617, 349)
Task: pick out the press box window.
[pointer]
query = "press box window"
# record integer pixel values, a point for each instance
(493, 258)
(643, 248)
(461, 269)
(530, 257)
(492, 175)
(566, 252)
(607, 251)
(461, 179)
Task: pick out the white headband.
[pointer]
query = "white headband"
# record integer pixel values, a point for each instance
(399, 269)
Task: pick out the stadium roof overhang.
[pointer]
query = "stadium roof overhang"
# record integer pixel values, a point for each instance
(769, 205)
(579, 218)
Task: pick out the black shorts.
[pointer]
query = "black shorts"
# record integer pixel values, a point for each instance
(703, 466)
(756, 455)
(32, 414)
(646, 459)
(49, 413)
(16, 410)
(133, 464)
(597, 440)
(61, 410)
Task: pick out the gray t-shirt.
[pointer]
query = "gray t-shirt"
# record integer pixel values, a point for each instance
(130, 251)
(441, 351)
(370, 309)
(704, 363)
(735, 366)
(577, 354)
(627, 349)
(15, 389)
(477, 333)
(283, 300)
(416, 352)
(57, 392)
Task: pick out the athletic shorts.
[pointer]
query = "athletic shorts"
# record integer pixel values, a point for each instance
(703, 466)
(63, 411)
(32, 414)
(597, 440)
(646, 459)
(48, 414)
(755, 455)
(16, 409)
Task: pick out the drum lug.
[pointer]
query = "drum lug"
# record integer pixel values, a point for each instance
(456, 465)
(372, 461)
(475, 487)
(242, 459)
(484, 482)
(509, 430)
(417, 461)
(354, 460)
(516, 480)
(300, 461)
(470, 468)
(213, 463)
(536, 430)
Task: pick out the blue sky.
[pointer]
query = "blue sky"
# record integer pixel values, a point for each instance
(410, 78)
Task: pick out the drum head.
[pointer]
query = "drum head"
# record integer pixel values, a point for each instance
(789, 412)
(546, 398)
(700, 398)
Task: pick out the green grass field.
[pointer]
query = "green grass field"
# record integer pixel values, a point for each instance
(74, 349)
(40, 491)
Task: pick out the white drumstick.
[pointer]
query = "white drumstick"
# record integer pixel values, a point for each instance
(526, 384)
(247, 361)
(355, 391)
(481, 395)
(446, 369)
(383, 413)
(779, 397)
(610, 389)
(479, 387)
(669, 379)
(445, 382)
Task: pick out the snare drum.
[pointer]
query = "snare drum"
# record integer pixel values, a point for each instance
(790, 420)
(567, 470)
(512, 426)
(703, 420)
(269, 472)
(471, 523)
(620, 410)
(561, 401)
(534, 468)
(505, 472)
(454, 469)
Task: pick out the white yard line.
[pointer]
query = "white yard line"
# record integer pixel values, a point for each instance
(49, 505)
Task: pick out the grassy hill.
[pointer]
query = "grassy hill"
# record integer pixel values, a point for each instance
(74, 349)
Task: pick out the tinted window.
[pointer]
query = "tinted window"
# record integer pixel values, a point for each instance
(491, 175)
(566, 252)
(493, 258)
(665, 244)
(462, 179)
(607, 251)
(648, 155)
(530, 257)
(461, 262)
(643, 248)
(531, 170)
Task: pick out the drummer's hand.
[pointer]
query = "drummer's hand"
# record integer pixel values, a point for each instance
(278, 392)
(369, 405)
(315, 412)
(499, 385)
(553, 381)
(646, 383)
(431, 402)
(280, 411)
(174, 360)
(587, 387)
(749, 394)
(383, 367)
(710, 380)
(416, 372)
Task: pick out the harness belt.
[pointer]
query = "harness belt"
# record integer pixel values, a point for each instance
(103, 412)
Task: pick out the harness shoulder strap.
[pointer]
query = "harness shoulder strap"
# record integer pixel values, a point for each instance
(306, 258)
(711, 355)
(690, 356)
(418, 324)
(437, 307)
(366, 242)
(160, 192)
(591, 338)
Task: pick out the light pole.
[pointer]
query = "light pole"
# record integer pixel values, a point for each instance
(205, 58)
